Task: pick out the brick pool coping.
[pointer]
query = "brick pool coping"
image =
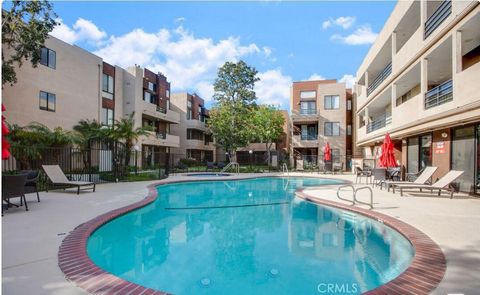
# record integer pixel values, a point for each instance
(422, 276)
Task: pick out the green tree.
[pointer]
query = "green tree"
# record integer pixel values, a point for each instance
(268, 126)
(124, 130)
(231, 117)
(24, 30)
(29, 143)
(87, 131)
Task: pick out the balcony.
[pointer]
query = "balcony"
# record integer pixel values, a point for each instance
(161, 113)
(305, 141)
(380, 122)
(197, 144)
(379, 79)
(304, 115)
(436, 19)
(441, 94)
(196, 124)
(161, 139)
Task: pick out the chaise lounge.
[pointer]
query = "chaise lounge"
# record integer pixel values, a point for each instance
(443, 183)
(57, 177)
(423, 178)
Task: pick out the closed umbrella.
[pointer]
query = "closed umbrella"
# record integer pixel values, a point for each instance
(327, 153)
(387, 158)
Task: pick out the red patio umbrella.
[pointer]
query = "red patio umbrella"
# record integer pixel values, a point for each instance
(387, 158)
(327, 153)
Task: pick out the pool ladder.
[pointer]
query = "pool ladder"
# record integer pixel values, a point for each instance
(354, 199)
(285, 169)
(233, 165)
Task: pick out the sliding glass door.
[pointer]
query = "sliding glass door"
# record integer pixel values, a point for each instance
(463, 156)
(412, 155)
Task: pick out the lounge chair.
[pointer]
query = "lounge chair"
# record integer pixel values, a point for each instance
(441, 184)
(210, 165)
(423, 178)
(359, 173)
(57, 177)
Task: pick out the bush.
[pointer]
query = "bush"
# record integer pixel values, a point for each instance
(190, 162)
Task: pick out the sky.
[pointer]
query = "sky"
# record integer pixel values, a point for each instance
(188, 41)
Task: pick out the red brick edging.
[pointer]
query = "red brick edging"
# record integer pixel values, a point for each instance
(422, 276)
(428, 265)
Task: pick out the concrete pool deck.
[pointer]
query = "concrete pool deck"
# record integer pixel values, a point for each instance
(31, 239)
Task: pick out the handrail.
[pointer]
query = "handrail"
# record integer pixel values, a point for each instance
(355, 191)
(440, 14)
(378, 123)
(232, 165)
(439, 95)
(361, 202)
(285, 168)
(380, 78)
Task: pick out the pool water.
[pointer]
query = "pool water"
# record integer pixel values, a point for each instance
(248, 237)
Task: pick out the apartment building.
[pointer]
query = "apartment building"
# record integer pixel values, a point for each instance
(420, 82)
(320, 114)
(195, 141)
(147, 95)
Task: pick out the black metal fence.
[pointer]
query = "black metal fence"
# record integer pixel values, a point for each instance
(318, 162)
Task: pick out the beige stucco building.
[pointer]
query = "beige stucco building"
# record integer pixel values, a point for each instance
(320, 114)
(419, 82)
(195, 141)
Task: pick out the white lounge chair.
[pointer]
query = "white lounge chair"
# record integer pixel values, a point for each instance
(423, 178)
(57, 177)
(442, 184)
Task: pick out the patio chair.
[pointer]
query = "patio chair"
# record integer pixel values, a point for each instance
(32, 181)
(359, 173)
(444, 183)
(57, 177)
(210, 165)
(13, 186)
(220, 165)
(379, 176)
(424, 178)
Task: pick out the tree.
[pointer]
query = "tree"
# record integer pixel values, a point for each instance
(28, 143)
(124, 130)
(268, 126)
(85, 132)
(231, 117)
(25, 28)
(235, 83)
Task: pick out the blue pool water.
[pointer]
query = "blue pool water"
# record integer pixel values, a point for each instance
(208, 174)
(248, 237)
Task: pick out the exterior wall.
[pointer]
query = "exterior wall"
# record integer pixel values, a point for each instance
(76, 99)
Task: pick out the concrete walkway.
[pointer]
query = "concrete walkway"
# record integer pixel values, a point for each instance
(31, 239)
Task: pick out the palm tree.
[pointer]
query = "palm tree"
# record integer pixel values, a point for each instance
(85, 132)
(124, 130)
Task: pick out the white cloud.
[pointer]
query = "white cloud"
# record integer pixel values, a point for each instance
(349, 80)
(187, 61)
(180, 19)
(362, 35)
(315, 77)
(273, 88)
(343, 21)
(82, 31)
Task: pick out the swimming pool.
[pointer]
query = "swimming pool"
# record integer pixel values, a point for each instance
(248, 236)
(207, 174)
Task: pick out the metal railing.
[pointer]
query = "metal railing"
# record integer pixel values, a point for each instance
(161, 135)
(309, 137)
(308, 111)
(161, 109)
(436, 19)
(379, 122)
(380, 78)
(232, 165)
(441, 94)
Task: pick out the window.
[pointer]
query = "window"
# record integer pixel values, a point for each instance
(152, 87)
(189, 110)
(107, 117)
(195, 134)
(332, 102)
(349, 105)
(308, 107)
(47, 101)
(332, 129)
(168, 93)
(148, 97)
(349, 129)
(107, 86)
(48, 58)
(308, 94)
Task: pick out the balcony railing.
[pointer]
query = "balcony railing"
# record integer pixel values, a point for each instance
(308, 137)
(441, 94)
(380, 78)
(308, 112)
(161, 109)
(161, 135)
(436, 19)
(379, 122)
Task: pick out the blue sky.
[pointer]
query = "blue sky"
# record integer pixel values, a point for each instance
(285, 41)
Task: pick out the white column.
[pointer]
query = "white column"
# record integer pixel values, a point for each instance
(394, 44)
(394, 96)
(423, 15)
(366, 80)
(423, 82)
(456, 52)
